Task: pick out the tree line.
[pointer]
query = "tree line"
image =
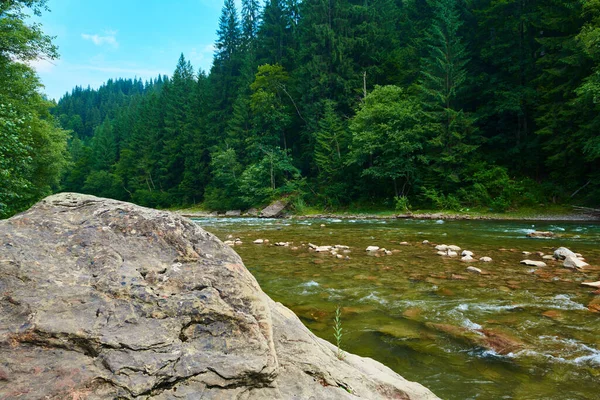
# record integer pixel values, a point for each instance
(435, 103)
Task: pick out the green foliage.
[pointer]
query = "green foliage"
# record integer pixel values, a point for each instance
(402, 204)
(439, 200)
(387, 137)
(32, 146)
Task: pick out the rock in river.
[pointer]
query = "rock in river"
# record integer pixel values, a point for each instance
(562, 252)
(573, 262)
(274, 210)
(532, 263)
(540, 234)
(101, 299)
(591, 284)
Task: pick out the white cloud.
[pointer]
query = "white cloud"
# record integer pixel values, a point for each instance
(109, 38)
(42, 66)
(202, 57)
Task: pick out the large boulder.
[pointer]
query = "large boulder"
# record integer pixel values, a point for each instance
(274, 210)
(101, 299)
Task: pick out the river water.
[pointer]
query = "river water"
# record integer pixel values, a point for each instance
(513, 332)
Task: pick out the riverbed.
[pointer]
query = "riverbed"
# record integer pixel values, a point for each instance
(512, 332)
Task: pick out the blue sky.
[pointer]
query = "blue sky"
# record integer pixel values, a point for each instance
(103, 39)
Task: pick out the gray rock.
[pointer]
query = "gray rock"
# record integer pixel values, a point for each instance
(531, 263)
(103, 299)
(574, 262)
(274, 210)
(233, 213)
(468, 258)
(540, 234)
(486, 259)
(562, 252)
(591, 284)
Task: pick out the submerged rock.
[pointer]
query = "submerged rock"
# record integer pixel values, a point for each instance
(498, 341)
(372, 248)
(540, 234)
(486, 259)
(103, 299)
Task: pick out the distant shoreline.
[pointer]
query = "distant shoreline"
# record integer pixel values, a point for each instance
(416, 216)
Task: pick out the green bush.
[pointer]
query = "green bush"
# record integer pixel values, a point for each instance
(402, 204)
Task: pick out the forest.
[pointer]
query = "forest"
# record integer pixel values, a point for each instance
(439, 104)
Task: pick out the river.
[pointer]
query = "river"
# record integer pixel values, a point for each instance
(513, 332)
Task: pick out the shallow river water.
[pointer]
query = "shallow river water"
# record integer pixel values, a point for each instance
(513, 332)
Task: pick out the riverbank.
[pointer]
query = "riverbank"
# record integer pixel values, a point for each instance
(558, 213)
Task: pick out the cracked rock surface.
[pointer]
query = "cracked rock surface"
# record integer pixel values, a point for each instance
(101, 299)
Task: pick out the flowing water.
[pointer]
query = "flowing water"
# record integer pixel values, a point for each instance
(513, 332)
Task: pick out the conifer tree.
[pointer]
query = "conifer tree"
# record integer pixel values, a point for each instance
(444, 75)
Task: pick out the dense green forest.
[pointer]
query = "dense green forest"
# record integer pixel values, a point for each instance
(432, 103)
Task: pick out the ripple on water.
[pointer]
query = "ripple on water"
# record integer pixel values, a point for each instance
(570, 351)
(373, 297)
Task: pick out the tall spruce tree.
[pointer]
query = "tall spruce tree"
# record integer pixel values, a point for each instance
(443, 77)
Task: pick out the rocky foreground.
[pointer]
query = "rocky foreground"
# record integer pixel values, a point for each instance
(102, 299)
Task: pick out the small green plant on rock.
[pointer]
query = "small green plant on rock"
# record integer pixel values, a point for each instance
(337, 333)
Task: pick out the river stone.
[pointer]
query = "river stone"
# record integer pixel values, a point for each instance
(102, 299)
(540, 234)
(591, 284)
(485, 259)
(532, 263)
(372, 248)
(562, 252)
(574, 262)
(233, 213)
(274, 210)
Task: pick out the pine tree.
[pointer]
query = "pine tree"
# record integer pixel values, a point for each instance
(178, 124)
(444, 75)
(250, 22)
(226, 69)
(506, 102)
